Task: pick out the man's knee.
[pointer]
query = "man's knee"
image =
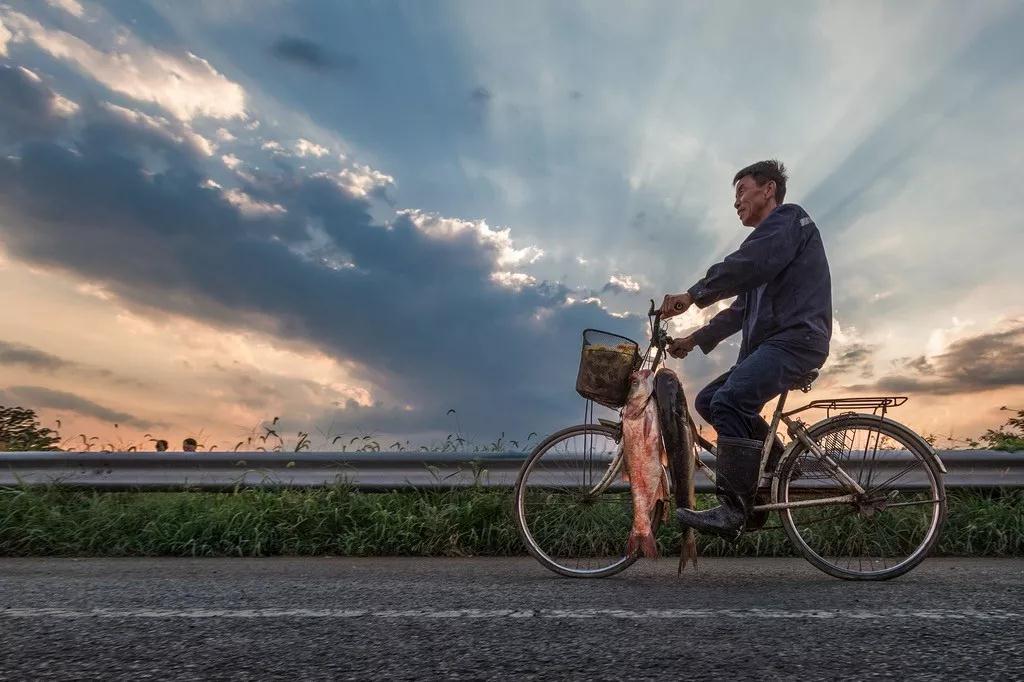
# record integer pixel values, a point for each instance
(702, 403)
(722, 401)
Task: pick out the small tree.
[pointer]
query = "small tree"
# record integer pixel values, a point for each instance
(20, 430)
(1010, 436)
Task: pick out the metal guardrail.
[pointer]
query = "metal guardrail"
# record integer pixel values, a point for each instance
(376, 471)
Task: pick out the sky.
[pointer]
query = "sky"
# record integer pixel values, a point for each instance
(361, 217)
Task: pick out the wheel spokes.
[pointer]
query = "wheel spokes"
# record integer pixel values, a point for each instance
(885, 527)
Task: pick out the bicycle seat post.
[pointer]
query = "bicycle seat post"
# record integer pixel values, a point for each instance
(773, 428)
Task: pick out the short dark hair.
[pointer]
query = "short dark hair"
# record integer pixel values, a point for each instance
(762, 172)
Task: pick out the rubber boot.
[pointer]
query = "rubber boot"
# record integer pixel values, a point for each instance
(736, 468)
(757, 519)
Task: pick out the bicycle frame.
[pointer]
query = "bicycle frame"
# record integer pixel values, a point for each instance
(796, 428)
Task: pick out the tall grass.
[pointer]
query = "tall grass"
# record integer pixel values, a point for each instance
(341, 521)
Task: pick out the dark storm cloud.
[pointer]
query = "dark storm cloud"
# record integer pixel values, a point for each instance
(857, 358)
(311, 55)
(481, 95)
(27, 110)
(978, 363)
(40, 397)
(41, 361)
(418, 315)
(17, 354)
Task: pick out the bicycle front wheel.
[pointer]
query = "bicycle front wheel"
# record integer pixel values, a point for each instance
(884, 531)
(573, 511)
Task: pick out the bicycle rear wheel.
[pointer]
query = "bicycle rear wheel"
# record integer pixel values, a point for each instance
(574, 514)
(887, 530)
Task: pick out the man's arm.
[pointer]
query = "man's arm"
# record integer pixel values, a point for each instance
(721, 326)
(764, 254)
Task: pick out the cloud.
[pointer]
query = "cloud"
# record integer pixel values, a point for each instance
(306, 148)
(481, 95)
(854, 358)
(30, 109)
(249, 206)
(311, 55)
(38, 397)
(184, 85)
(176, 132)
(513, 280)
(15, 354)
(622, 284)
(982, 362)
(70, 6)
(5, 37)
(499, 242)
(362, 181)
(420, 314)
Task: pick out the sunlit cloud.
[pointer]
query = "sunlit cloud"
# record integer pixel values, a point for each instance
(5, 37)
(306, 148)
(175, 131)
(622, 283)
(72, 7)
(498, 241)
(252, 207)
(186, 86)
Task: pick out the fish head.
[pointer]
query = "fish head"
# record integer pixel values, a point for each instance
(641, 386)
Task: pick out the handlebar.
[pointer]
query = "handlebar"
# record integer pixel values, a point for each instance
(659, 338)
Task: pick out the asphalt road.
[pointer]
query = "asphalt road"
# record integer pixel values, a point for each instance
(480, 618)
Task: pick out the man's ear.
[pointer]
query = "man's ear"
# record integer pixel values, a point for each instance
(770, 185)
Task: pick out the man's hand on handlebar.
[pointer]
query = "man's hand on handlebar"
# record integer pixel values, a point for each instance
(680, 348)
(675, 304)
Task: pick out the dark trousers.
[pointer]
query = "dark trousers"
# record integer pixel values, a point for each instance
(732, 403)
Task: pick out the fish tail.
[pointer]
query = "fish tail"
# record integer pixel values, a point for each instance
(633, 544)
(688, 552)
(642, 542)
(649, 546)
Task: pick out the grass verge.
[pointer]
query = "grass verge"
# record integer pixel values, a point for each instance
(343, 522)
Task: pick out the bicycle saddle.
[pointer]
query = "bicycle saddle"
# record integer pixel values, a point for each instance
(804, 382)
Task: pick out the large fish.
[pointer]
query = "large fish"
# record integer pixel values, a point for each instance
(645, 458)
(677, 433)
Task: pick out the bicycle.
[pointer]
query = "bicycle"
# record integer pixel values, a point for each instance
(859, 495)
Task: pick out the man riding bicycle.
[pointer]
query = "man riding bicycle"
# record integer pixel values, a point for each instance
(780, 278)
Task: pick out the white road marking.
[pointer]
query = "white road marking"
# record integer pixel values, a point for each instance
(467, 614)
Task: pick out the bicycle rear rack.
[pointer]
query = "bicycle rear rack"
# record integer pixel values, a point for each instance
(877, 404)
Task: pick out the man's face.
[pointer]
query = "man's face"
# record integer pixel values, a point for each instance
(752, 202)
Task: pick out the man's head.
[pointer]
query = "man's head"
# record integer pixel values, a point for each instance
(161, 445)
(189, 445)
(760, 187)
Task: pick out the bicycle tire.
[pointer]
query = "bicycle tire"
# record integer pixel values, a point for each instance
(520, 492)
(890, 429)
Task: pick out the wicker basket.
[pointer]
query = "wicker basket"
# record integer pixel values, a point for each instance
(606, 362)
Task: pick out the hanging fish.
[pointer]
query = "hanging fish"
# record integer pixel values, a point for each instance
(678, 437)
(645, 459)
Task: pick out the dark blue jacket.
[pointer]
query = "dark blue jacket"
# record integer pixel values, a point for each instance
(782, 285)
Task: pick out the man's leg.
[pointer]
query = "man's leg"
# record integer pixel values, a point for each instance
(735, 413)
(702, 403)
(763, 375)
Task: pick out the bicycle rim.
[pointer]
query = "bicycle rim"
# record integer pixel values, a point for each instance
(888, 530)
(567, 525)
